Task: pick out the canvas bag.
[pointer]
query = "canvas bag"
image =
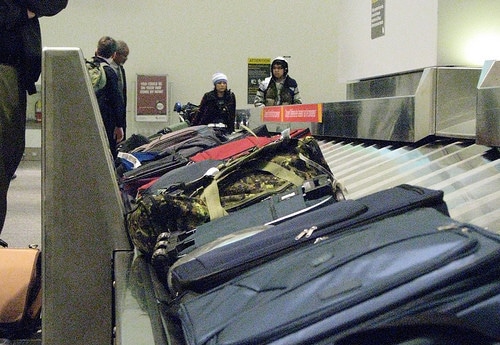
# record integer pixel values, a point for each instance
(20, 292)
(272, 169)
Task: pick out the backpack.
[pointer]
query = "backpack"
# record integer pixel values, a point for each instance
(96, 73)
(276, 167)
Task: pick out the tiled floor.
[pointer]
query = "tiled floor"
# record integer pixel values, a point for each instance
(23, 224)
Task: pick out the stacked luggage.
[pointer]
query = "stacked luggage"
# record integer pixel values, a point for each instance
(254, 241)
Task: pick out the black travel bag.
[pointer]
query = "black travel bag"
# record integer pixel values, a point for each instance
(272, 210)
(413, 262)
(210, 264)
(183, 174)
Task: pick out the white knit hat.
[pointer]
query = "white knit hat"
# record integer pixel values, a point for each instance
(217, 77)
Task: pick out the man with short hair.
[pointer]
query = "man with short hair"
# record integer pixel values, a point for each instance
(119, 59)
(109, 98)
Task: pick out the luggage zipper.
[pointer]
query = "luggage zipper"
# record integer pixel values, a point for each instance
(306, 233)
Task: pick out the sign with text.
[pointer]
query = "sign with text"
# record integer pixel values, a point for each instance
(293, 113)
(258, 70)
(152, 98)
(378, 18)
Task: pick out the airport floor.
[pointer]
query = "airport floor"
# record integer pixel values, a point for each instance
(24, 222)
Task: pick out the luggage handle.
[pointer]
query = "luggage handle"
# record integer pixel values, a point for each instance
(317, 187)
(169, 246)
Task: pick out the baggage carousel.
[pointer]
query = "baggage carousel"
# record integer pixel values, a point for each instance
(98, 291)
(469, 175)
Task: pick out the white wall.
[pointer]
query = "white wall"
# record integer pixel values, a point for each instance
(191, 39)
(410, 40)
(418, 34)
(469, 32)
(329, 41)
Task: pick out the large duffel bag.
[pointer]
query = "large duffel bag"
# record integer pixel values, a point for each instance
(417, 261)
(237, 183)
(203, 264)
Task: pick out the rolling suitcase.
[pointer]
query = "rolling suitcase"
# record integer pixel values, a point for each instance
(210, 264)
(418, 261)
(428, 328)
(274, 209)
(167, 140)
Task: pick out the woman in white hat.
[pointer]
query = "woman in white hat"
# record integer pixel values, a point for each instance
(217, 106)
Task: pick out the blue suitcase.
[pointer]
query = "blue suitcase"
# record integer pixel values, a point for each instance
(212, 263)
(414, 262)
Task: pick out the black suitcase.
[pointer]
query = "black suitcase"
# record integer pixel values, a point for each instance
(418, 261)
(214, 263)
(272, 210)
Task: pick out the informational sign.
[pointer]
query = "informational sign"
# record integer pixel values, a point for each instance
(293, 113)
(258, 70)
(152, 98)
(378, 18)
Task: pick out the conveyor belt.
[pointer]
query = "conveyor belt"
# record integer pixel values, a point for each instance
(469, 174)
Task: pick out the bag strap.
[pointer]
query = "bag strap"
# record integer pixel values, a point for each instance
(211, 193)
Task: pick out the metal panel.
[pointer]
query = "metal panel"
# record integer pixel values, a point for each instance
(138, 319)
(488, 105)
(456, 98)
(445, 98)
(395, 85)
(405, 107)
(378, 119)
(82, 212)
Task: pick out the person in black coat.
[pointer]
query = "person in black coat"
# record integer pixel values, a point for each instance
(217, 105)
(109, 98)
(119, 59)
(20, 68)
(279, 88)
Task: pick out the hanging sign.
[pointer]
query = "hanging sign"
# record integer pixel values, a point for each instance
(378, 18)
(258, 70)
(293, 113)
(152, 98)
